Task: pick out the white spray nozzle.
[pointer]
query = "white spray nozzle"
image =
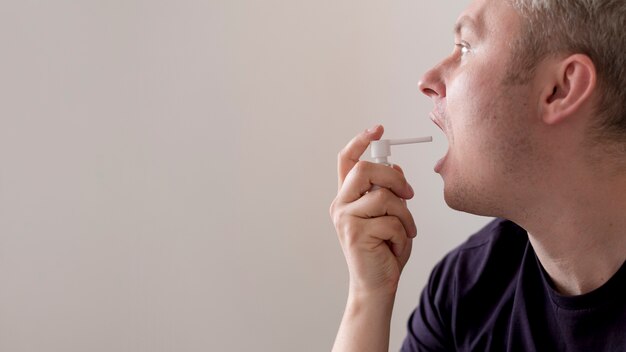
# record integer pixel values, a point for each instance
(381, 149)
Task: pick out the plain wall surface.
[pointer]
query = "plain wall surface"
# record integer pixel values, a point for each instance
(166, 167)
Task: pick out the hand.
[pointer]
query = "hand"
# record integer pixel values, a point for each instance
(375, 228)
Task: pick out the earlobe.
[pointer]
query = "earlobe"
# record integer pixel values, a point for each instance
(570, 88)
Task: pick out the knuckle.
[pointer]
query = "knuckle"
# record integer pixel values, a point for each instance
(361, 167)
(398, 227)
(341, 155)
(337, 214)
(350, 232)
(332, 208)
(339, 217)
(381, 195)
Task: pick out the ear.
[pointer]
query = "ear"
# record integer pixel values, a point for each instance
(569, 89)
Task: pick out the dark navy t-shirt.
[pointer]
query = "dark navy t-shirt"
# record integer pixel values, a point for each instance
(492, 294)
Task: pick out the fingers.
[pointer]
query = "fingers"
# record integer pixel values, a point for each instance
(406, 254)
(365, 174)
(350, 154)
(387, 230)
(383, 203)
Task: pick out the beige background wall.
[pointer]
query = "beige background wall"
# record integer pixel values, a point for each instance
(166, 167)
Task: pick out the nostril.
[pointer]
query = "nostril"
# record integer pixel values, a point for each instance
(427, 88)
(432, 83)
(429, 92)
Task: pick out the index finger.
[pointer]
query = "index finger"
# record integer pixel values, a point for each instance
(350, 154)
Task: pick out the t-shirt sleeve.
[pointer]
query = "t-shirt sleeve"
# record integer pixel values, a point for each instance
(428, 328)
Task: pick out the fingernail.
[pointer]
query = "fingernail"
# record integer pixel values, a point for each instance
(372, 129)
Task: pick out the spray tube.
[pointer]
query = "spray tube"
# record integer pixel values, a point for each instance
(381, 149)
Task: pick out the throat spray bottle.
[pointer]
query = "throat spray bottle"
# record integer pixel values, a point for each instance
(381, 149)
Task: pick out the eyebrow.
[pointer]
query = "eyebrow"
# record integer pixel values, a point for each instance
(467, 22)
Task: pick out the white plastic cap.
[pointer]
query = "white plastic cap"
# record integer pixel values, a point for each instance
(380, 149)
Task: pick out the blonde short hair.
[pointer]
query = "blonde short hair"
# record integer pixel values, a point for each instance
(596, 28)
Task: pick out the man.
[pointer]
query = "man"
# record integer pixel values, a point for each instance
(532, 102)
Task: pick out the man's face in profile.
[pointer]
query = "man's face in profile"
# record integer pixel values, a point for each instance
(487, 121)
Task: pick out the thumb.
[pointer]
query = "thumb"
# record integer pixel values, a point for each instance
(350, 154)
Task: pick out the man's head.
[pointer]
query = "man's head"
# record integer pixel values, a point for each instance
(518, 107)
(596, 28)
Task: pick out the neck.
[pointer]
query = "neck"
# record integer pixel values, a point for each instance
(579, 232)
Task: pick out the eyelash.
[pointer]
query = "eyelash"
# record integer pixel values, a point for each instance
(463, 45)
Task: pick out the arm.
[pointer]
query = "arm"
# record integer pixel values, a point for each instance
(365, 324)
(375, 230)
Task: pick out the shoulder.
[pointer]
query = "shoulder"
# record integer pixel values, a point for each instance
(495, 251)
(499, 237)
(466, 285)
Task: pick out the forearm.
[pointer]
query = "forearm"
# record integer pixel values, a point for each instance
(365, 324)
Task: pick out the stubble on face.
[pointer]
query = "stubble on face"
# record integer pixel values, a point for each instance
(491, 179)
(493, 185)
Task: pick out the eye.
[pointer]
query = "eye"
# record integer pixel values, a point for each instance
(463, 47)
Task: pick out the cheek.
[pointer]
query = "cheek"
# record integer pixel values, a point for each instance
(472, 89)
(470, 100)
(480, 126)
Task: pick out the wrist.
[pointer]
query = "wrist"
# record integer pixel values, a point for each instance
(371, 302)
(366, 321)
(361, 292)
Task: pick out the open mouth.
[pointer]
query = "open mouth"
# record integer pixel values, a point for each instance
(437, 121)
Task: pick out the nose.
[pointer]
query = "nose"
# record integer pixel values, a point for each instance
(432, 84)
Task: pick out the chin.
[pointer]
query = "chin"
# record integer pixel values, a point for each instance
(468, 198)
